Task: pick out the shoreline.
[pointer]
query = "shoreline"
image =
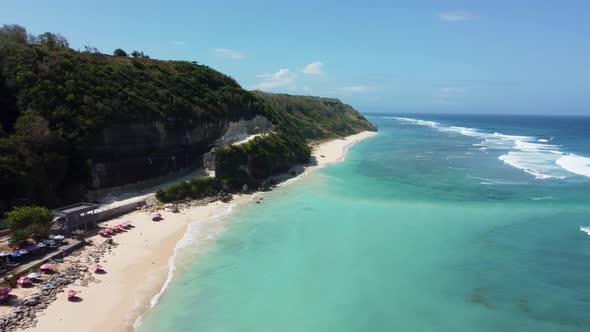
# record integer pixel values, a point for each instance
(142, 263)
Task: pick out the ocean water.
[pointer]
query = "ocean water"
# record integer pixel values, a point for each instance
(439, 223)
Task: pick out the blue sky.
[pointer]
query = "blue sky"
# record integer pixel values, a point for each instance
(391, 56)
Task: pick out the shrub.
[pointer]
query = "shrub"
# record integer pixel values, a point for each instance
(261, 157)
(26, 222)
(194, 188)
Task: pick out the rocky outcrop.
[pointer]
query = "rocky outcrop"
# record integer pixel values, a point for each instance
(237, 131)
(240, 130)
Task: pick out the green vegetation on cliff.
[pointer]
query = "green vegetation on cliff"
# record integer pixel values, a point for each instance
(245, 164)
(260, 158)
(55, 101)
(56, 104)
(313, 117)
(194, 188)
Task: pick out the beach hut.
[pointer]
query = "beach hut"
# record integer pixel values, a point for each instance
(24, 281)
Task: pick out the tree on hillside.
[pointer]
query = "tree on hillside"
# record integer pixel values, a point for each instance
(53, 41)
(16, 33)
(119, 52)
(139, 55)
(26, 222)
(90, 49)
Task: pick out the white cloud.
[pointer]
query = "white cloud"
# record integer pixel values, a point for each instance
(282, 78)
(357, 88)
(456, 16)
(314, 68)
(229, 53)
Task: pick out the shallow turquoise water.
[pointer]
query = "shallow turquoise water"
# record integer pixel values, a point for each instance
(415, 231)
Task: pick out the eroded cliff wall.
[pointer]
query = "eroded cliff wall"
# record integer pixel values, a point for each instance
(133, 152)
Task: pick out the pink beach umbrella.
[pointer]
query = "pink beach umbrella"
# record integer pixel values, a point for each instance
(23, 281)
(95, 268)
(70, 293)
(46, 267)
(5, 293)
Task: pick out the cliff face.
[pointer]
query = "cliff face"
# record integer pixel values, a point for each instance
(132, 152)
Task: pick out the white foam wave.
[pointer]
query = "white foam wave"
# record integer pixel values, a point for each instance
(585, 229)
(188, 239)
(575, 164)
(534, 156)
(541, 198)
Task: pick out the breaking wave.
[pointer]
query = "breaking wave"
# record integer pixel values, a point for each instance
(535, 156)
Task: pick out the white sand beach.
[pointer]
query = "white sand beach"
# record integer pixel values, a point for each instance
(138, 266)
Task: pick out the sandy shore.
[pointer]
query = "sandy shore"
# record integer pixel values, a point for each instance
(138, 267)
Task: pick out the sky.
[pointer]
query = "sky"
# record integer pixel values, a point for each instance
(438, 56)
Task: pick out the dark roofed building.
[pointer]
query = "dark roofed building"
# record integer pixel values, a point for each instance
(71, 217)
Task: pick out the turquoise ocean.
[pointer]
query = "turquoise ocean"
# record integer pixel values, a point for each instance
(439, 223)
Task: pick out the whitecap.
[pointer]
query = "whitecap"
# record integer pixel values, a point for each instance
(532, 155)
(541, 198)
(585, 229)
(575, 164)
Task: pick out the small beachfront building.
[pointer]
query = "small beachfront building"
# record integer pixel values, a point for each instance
(80, 215)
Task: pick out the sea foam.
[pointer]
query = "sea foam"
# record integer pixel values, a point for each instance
(585, 229)
(575, 164)
(532, 155)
